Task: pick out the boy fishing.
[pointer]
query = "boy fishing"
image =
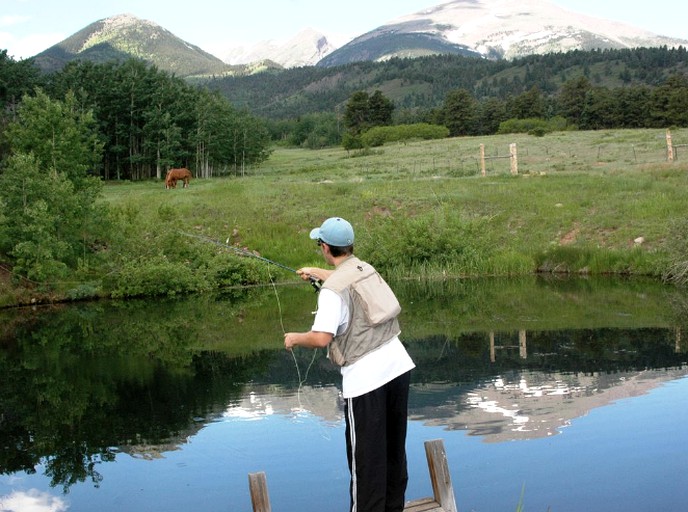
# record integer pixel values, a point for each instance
(357, 322)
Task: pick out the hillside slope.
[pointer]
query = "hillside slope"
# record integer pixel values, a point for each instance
(125, 36)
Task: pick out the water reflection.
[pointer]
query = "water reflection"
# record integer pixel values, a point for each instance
(33, 501)
(534, 405)
(85, 384)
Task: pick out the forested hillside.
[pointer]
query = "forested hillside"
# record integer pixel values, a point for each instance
(422, 84)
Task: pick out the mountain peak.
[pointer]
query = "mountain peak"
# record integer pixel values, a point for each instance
(125, 19)
(493, 29)
(304, 49)
(115, 27)
(125, 36)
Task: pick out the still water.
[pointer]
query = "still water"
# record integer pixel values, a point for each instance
(568, 394)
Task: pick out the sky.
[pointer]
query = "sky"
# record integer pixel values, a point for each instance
(28, 27)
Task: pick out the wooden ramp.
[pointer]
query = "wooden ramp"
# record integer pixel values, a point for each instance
(442, 499)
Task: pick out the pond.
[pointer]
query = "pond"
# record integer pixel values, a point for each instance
(565, 394)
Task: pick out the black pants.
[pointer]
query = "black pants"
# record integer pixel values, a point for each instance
(376, 447)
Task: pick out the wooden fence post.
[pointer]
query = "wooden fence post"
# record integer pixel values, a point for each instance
(522, 345)
(482, 159)
(440, 477)
(258, 485)
(670, 146)
(678, 340)
(514, 158)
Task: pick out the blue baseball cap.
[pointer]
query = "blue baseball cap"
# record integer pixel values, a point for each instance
(334, 231)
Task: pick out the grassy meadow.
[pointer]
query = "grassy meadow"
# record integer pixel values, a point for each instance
(582, 202)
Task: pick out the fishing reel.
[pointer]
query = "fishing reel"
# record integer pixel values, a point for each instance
(315, 283)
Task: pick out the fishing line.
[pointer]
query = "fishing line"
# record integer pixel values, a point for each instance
(284, 331)
(315, 283)
(323, 431)
(245, 252)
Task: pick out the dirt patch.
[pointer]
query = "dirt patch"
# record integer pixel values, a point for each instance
(571, 236)
(378, 211)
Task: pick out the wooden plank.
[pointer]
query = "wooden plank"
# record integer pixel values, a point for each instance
(440, 477)
(258, 485)
(422, 505)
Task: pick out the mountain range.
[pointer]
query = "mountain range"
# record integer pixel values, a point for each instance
(493, 29)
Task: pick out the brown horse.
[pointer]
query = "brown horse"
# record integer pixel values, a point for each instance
(173, 175)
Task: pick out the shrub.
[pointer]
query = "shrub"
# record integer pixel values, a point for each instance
(350, 141)
(380, 135)
(149, 277)
(429, 242)
(533, 126)
(227, 270)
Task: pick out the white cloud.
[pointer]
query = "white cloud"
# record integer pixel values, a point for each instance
(32, 501)
(25, 47)
(9, 21)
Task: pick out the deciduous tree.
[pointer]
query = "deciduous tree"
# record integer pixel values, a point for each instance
(47, 195)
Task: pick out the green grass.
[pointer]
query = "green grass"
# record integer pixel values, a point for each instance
(578, 203)
(563, 195)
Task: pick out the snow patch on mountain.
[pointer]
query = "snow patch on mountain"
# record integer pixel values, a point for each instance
(514, 28)
(305, 49)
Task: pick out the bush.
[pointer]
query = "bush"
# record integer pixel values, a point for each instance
(151, 256)
(437, 239)
(380, 135)
(533, 126)
(227, 270)
(350, 141)
(151, 277)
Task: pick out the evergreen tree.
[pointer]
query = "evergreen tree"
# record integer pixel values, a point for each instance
(491, 112)
(529, 104)
(571, 100)
(364, 111)
(669, 102)
(16, 79)
(459, 113)
(151, 121)
(380, 110)
(356, 114)
(599, 109)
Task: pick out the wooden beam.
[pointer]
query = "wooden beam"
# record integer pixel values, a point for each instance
(258, 485)
(423, 505)
(440, 477)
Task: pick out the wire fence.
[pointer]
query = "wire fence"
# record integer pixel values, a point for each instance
(611, 151)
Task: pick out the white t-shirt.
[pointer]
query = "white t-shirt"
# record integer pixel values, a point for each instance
(373, 370)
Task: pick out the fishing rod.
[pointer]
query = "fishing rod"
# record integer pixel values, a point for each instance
(315, 283)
